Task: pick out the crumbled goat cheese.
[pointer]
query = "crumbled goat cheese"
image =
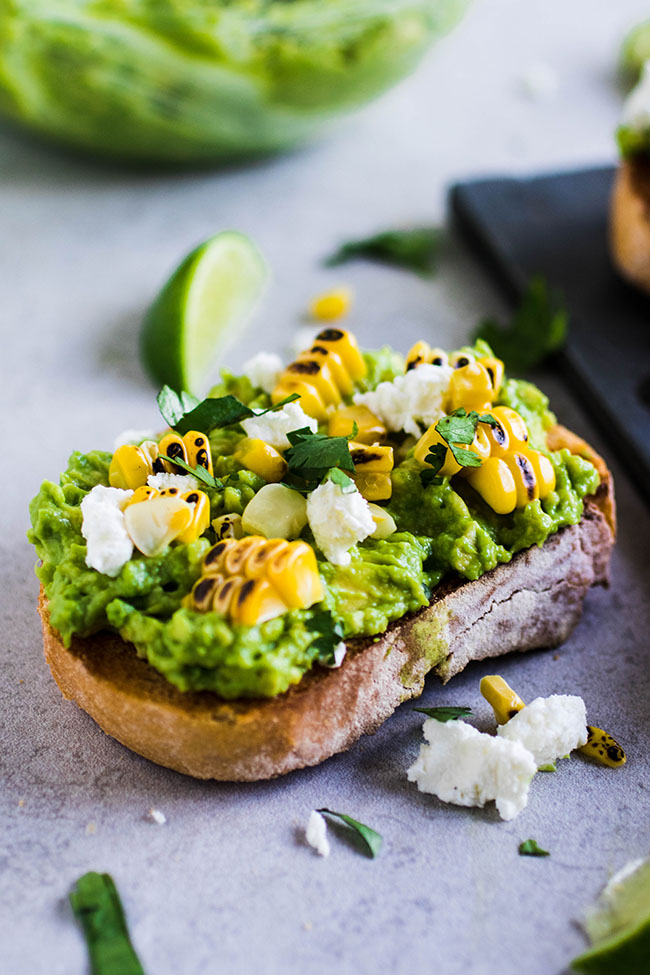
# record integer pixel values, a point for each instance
(338, 520)
(132, 436)
(274, 427)
(316, 834)
(108, 545)
(418, 395)
(549, 727)
(636, 110)
(469, 768)
(263, 370)
(184, 482)
(156, 816)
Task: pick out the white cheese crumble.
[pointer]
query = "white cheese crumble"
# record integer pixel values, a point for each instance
(549, 727)
(108, 546)
(338, 520)
(468, 768)
(264, 370)
(157, 816)
(274, 427)
(316, 834)
(184, 482)
(132, 437)
(418, 395)
(636, 110)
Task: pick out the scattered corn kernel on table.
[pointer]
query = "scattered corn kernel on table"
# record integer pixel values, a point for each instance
(219, 877)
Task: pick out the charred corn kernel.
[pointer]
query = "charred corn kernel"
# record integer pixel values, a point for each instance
(345, 346)
(197, 448)
(236, 557)
(438, 357)
(480, 444)
(227, 526)
(497, 437)
(331, 305)
(129, 468)
(200, 516)
(513, 424)
(258, 560)
(169, 492)
(225, 594)
(143, 493)
(374, 487)
(172, 446)
(310, 398)
(603, 748)
(494, 369)
(293, 572)
(370, 429)
(340, 375)
(500, 696)
(494, 481)
(214, 558)
(384, 522)
(255, 602)
(523, 475)
(470, 387)
(202, 594)
(424, 445)
(544, 470)
(261, 458)
(420, 353)
(373, 459)
(152, 525)
(457, 360)
(316, 372)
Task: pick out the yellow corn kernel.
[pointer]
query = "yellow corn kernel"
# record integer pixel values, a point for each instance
(172, 446)
(129, 468)
(544, 470)
(197, 447)
(374, 487)
(523, 475)
(293, 572)
(370, 429)
(438, 357)
(310, 398)
(495, 371)
(419, 353)
(227, 526)
(457, 360)
(513, 424)
(314, 371)
(603, 748)
(345, 345)
(143, 493)
(255, 602)
(213, 560)
(371, 459)
(202, 594)
(497, 437)
(152, 525)
(261, 458)
(259, 559)
(470, 387)
(495, 483)
(236, 557)
(480, 444)
(340, 375)
(504, 701)
(331, 305)
(200, 516)
(424, 445)
(384, 522)
(225, 594)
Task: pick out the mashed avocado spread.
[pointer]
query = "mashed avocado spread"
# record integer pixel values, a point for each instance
(443, 527)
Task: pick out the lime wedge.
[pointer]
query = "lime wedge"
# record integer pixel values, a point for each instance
(618, 925)
(205, 305)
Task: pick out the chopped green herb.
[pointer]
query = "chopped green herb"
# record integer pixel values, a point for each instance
(312, 456)
(184, 412)
(415, 249)
(330, 634)
(549, 767)
(371, 839)
(97, 906)
(445, 714)
(173, 406)
(199, 472)
(435, 459)
(537, 329)
(456, 428)
(529, 848)
(346, 483)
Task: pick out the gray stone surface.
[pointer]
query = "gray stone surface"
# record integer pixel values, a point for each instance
(227, 884)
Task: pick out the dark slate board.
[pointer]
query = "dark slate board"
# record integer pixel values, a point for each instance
(556, 226)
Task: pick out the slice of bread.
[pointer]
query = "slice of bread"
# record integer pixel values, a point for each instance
(630, 221)
(534, 601)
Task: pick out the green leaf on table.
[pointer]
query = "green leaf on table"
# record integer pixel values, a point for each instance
(445, 714)
(199, 472)
(371, 840)
(415, 249)
(97, 906)
(312, 456)
(537, 329)
(529, 848)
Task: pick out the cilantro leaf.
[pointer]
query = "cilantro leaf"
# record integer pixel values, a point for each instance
(371, 840)
(330, 634)
(337, 476)
(184, 412)
(97, 906)
(199, 472)
(446, 713)
(529, 848)
(313, 455)
(466, 458)
(537, 329)
(456, 428)
(415, 249)
(173, 406)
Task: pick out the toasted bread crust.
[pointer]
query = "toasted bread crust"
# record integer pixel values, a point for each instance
(535, 601)
(630, 222)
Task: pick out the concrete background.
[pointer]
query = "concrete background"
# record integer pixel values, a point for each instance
(227, 884)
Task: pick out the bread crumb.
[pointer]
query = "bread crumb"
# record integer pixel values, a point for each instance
(21, 681)
(91, 829)
(156, 816)
(556, 656)
(21, 803)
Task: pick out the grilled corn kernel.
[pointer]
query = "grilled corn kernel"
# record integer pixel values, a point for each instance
(424, 445)
(331, 305)
(197, 447)
(603, 748)
(200, 516)
(152, 525)
(420, 353)
(374, 487)
(340, 375)
(384, 522)
(371, 459)
(143, 493)
(293, 572)
(513, 424)
(523, 475)
(227, 526)
(310, 399)
(457, 360)
(255, 602)
(495, 371)
(370, 429)
(236, 557)
(130, 467)
(214, 558)
(171, 446)
(494, 481)
(345, 345)
(504, 701)
(544, 470)
(470, 387)
(226, 593)
(258, 560)
(203, 592)
(438, 357)
(315, 372)
(261, 458)
(497, 437)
